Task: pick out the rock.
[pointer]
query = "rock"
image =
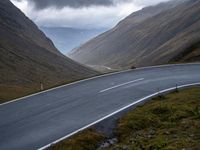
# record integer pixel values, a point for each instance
(104, 145)
(175, 136)
(167, 132)
(191, 135)
(108, 143)
(124, 147)
(149, 136)
(152, 132)
(112, 141)
(142, 147)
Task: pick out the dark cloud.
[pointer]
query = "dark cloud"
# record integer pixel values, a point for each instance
(73, 13)
(41, 4)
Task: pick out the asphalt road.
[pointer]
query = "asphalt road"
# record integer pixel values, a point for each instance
(36, 121)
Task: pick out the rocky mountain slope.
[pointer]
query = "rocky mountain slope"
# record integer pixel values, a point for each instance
(28, 57)
(154, 35)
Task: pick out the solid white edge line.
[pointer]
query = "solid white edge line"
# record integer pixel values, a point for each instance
(119, 85)
(119, 110)
(96, 77)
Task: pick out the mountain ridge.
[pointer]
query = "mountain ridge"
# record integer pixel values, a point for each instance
(129, 44)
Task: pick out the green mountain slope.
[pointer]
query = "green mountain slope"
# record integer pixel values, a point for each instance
(28, 57)
(154, 35)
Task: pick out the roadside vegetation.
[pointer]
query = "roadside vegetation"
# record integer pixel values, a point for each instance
(10, 92)
(168, 122)
(86, 140)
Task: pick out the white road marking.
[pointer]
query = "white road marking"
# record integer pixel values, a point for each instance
(113, 87)
(96, 77)
(119, 110)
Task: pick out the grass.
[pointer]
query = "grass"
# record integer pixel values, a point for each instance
(10, 92)
(171, 122)
(86, 140)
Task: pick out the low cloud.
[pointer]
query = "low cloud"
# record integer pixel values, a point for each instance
(80, 13)
(42, 4)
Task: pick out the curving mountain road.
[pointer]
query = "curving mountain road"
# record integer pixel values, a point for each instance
(35, 121)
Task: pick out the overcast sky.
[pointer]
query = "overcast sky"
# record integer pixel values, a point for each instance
(80, 13)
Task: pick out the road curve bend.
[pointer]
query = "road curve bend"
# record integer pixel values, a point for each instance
(36, 121)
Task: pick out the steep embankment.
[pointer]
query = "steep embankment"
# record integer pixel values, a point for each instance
(28, 57)
(154, 35)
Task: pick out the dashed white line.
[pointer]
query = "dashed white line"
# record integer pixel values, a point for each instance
(113, 87)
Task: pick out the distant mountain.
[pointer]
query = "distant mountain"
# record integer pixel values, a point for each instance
(66, 39)
(159, 34)
(28, 57)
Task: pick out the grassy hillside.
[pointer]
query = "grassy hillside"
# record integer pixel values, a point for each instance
(28, 57)
(171, 122)
(191, 54)
(154, 35)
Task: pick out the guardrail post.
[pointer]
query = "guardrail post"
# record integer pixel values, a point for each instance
(41, 86)
(176, 88)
